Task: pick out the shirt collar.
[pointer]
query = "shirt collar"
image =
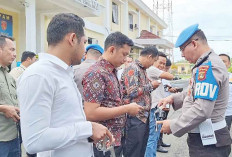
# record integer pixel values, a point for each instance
(139, 64)
(6, 68)
(107, 65)
(53, 59)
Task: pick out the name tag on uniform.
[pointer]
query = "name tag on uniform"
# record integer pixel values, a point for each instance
(207, 133)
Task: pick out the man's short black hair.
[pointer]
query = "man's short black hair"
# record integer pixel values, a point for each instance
(3, 40)
(61, 25)
(199, 35)
(151, 50)
(223, 54)
(27, 54)
(168, 62)
(117, 39)
(162, 54)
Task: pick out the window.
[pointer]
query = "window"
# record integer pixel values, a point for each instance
(151, 29)
(92, 40)
(130, 22)
(114, 13)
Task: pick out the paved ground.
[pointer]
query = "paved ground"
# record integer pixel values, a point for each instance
(179, 146)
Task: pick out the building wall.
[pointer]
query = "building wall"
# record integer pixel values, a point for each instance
(97, 20)
(143, 22)
(133, 34)
(15, 29)
(116, 27)
(98, 36)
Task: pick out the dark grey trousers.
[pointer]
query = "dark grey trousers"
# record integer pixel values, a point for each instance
(137, 134)
(196, 148)
(228, 121)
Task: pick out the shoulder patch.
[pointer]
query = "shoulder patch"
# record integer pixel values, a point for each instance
(202, 72)
(206, 85)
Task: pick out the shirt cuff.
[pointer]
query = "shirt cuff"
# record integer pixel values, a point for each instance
(84, 130)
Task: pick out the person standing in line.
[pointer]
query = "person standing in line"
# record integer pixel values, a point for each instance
(226, 59)
(137, 88)
(10, 144)
(93, 53)
(27, 59)
(53, 121)
(156, 72)
(204, 103)
(103, 94)
(129, 60)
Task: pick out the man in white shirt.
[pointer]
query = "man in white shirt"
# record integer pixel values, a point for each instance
(226, 59)
(27, 59)
(53, 122)
(156, 72)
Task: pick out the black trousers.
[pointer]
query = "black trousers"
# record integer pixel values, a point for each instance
(196, 148)
(160, 142)
(137, 134)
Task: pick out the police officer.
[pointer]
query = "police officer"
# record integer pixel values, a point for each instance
(204, 103)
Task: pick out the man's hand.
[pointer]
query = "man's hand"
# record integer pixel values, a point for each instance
(165, 101)
(155, 84)
(133, 109)
(165, 126)
(100, 132)
(172, 90)
(11, 112)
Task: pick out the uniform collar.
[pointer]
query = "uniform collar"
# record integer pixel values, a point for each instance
(89, 61)
(22, 66)
(203, 56)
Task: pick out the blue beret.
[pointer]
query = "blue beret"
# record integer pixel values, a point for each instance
(186, 34)
(95, 47)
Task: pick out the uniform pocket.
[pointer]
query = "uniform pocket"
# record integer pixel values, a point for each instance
(2, 98)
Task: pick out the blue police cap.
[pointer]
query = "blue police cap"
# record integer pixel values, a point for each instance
(186, 34)
(95, 47)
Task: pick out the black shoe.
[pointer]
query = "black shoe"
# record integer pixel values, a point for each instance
(165, 145)
(161, 149)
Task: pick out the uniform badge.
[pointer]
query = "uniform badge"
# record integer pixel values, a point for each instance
(202, 72)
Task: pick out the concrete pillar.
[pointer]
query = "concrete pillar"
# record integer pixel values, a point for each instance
(107, 17)
(139, 29)
(125, 17)
(30, 11)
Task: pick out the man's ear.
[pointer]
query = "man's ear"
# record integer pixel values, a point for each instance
(72, 38)
(111, 49)
(28, 59)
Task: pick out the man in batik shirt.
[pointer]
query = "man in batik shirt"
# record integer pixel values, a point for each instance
(103, 94)
(137, 88)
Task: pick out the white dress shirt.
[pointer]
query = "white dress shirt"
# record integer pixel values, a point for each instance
(52, 118)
